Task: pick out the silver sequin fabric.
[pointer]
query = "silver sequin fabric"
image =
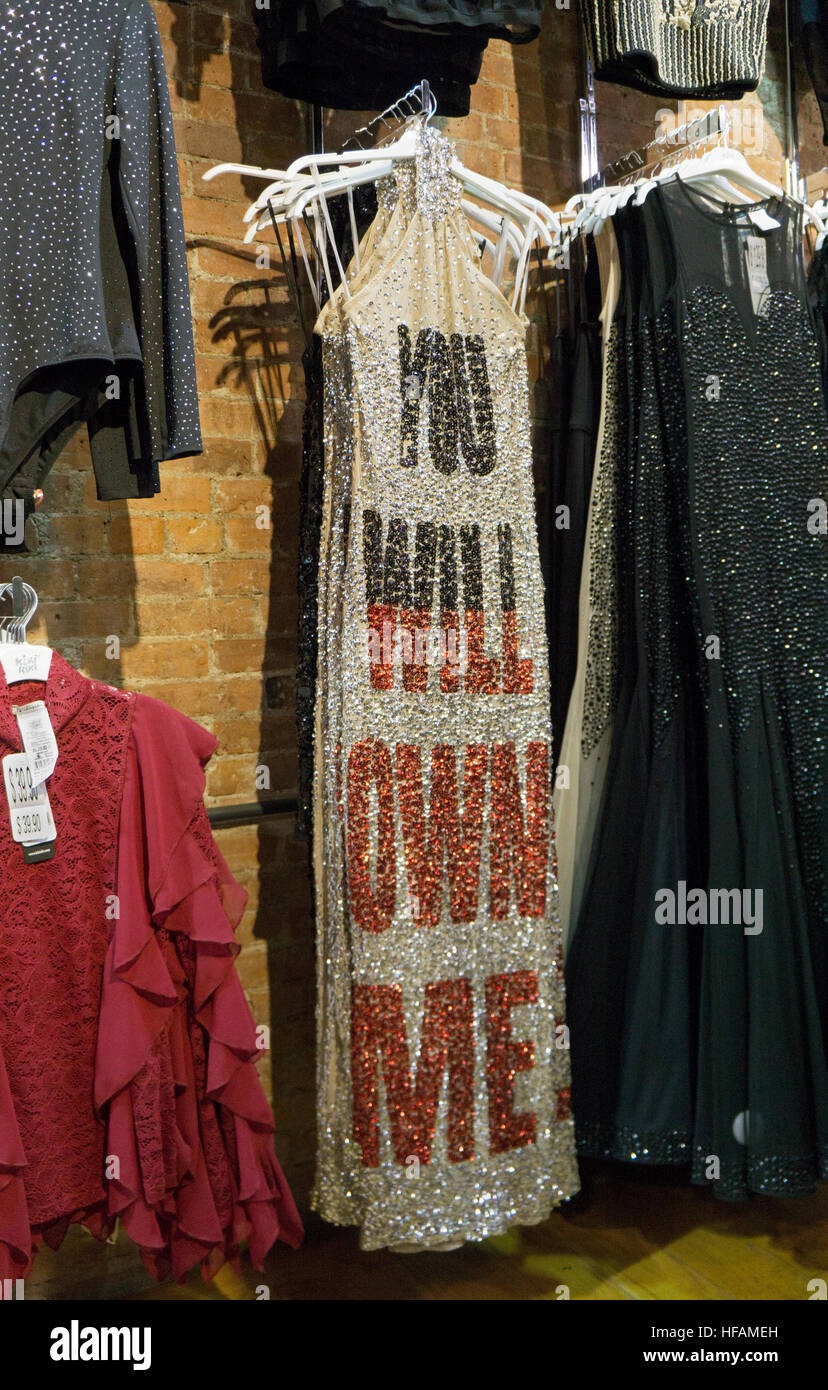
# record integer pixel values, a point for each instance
(79, 78)
(443, 1070)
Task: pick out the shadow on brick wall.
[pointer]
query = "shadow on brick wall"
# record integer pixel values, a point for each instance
(250, 329)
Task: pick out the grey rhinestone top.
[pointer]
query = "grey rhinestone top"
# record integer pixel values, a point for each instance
(92, 247)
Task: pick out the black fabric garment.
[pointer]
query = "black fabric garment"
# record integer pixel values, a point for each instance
(684, 48)
(515, 22)
(813, 20)
(359, 61)
(630, 979)
(719, 761)
(818, 296)
(576, 356)
(50, 408)
(94, 295)
(552, 397)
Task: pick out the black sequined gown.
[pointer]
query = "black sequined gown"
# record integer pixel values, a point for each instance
(576, 382)
(698, 977)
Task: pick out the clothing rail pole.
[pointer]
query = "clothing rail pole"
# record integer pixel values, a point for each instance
(592, 123)
(317, 130)
(792, 179)
(588, 121)
(251, 812)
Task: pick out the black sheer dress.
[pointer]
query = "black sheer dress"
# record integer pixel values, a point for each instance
(698, 975)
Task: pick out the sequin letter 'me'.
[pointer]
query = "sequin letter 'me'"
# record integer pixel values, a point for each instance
(378, 1036)
(508, 1129)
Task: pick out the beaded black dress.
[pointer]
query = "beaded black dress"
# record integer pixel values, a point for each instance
(576, 378)
(697, 978)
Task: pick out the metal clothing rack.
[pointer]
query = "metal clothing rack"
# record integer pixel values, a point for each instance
(417, 101)
(588, 116)
(251, 812)
(792, 179)
(715, 122)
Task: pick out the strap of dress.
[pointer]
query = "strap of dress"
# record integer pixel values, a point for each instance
(439, 192)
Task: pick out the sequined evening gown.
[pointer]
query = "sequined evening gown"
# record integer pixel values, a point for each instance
(443, 1070)
(587, 731)
(575, 413)
(698, 995)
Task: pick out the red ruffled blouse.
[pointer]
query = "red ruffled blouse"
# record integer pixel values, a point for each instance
(127, 1079)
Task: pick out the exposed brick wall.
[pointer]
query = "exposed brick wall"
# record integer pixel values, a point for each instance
(202, 600)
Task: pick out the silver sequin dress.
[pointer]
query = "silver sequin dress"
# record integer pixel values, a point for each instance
(443, 1068)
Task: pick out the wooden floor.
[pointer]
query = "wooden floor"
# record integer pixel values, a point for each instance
(625, 1237)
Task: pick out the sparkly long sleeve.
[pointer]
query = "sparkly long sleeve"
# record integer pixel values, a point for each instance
(148, 176)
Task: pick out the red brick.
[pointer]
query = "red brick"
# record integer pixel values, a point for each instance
(170, 617)
(170, 576)
(245, 576)
(244, 535)
(503, 134)
(159, 658)
(488, 100)
(193, 536)
(136, 535)
(179, 493)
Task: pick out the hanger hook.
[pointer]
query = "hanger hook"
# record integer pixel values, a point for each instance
(5, 618)
(24, 599)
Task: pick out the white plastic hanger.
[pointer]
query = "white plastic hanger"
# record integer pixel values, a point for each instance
(291, 198)
(279, 185)
(521, 218)
(721, 172)
(19, 660)
(300, 192)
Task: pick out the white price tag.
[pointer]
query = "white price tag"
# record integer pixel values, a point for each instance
(38, 737)
(20, 662)
(29, 810)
